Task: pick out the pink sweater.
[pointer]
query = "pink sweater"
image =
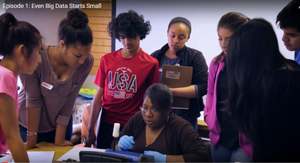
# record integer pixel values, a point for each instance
(8, 86)
(210, 110)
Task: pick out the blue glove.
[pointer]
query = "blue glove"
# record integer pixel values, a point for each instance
(158, 157)
(125, 142)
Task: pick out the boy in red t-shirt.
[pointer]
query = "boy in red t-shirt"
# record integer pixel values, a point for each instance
(122, 78)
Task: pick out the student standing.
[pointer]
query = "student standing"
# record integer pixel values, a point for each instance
(288, 20)
(20, 46)
(227, 144)
(48, 95)
(122, 78)
(176, 53)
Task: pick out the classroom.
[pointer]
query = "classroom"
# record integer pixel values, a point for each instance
(122, 90)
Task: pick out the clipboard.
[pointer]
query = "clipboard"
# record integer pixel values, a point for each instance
(177, 76)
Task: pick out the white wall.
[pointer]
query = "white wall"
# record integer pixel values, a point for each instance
(204, 16)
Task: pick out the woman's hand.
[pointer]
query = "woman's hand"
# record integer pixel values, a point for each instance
(31, 142)
(91, 139)
(125, 142)
(65, 143)
(158, 157)
(30, 145)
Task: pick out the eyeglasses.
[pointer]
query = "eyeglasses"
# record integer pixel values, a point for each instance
(146, 109)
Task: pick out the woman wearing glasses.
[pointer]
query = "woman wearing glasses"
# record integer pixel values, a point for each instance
(156, 131)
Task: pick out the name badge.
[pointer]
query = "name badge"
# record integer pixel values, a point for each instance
(46, 85)
(172, 74)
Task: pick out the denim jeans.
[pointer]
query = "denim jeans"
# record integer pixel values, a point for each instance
(49, 136)
(194, 124)
(223, 154)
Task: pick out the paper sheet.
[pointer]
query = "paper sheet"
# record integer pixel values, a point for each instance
(6, 158)
(38, 156)
(74, 153)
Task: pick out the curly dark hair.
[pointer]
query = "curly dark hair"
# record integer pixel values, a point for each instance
(129, 23)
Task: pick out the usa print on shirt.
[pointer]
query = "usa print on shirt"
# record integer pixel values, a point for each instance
(121, 83)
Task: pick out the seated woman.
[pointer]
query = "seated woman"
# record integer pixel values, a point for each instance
(156, 131)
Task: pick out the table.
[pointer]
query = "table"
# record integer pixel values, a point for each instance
(202, 125)
(59, 150)
(203, 130)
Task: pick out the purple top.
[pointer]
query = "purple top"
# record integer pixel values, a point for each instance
(210, 111)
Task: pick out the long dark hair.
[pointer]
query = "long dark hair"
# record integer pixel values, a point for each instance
(231, 21)
(253, 58)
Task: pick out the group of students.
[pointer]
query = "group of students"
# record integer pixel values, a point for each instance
(51, 77)
(252, 103)
(252, 89)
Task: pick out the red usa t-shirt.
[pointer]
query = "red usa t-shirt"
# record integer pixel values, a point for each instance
(125, 81)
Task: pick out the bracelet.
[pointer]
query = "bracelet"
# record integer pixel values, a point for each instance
(31, 133)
